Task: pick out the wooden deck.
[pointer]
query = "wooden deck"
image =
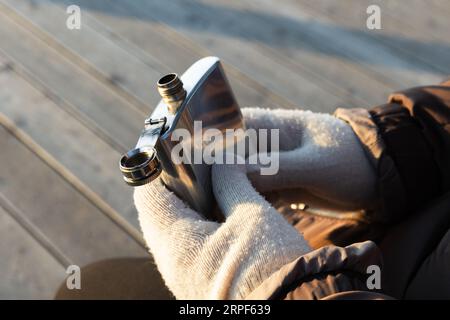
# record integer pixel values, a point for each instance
(66, 95)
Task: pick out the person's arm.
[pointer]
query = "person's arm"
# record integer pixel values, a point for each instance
(255, 253)
(408, 142)
(325, 273)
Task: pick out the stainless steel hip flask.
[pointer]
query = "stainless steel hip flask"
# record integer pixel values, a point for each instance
(203, 94)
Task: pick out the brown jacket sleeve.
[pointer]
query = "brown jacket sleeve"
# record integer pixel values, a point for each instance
(323, 273)
(408, 141)
(430, 108)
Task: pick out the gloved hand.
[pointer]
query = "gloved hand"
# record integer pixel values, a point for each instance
(200, 259)
(319, 153)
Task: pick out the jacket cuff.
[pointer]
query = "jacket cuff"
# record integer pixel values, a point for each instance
(410, 152)
(392, 194)
(331, 260)
(398, 150)
(429, 106)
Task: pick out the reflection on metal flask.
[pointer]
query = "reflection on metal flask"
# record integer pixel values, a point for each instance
(203, 94)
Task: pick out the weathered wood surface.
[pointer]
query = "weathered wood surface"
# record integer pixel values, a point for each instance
(42, 274)
(79, 228)
(416, 31)
(65, 138)
(71, 101)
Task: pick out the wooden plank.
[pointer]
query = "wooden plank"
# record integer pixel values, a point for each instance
(286, 42)
(141, 18)
(385, 64)
(299, 44)
(109, 115)
(421, 38)
(400, 35)
(172, 49)
(77, 148)
(117, 67)
(74, 224)
(442, 5)
(76, 228)
(289, 37)
(116, 61)
(28, 270)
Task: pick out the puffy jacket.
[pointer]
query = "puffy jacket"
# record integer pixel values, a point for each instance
(407, 234)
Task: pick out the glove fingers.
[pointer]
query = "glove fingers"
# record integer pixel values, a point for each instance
(234, 192)
(306, 167)
(323, 147)
(330, 175)
(286, 170)
(161, 209)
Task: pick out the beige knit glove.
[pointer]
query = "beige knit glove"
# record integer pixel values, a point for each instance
(199, 259)
(319, 153)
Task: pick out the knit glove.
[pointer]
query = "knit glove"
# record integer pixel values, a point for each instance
(319, 153)
(200, 259)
